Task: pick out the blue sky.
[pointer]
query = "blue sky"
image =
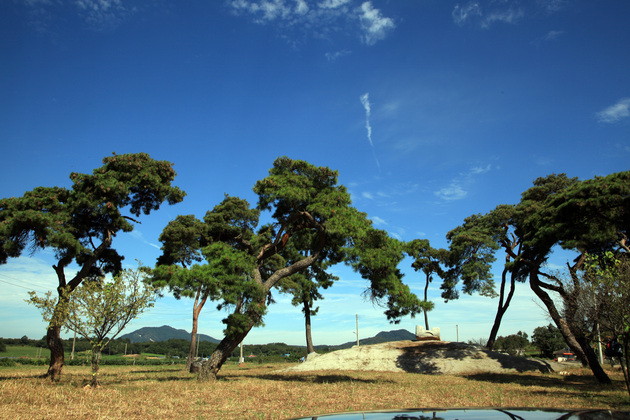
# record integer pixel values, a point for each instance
(431, 110)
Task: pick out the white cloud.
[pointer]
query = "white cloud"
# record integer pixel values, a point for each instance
(456, 189)
(333, 4)
(615, 112)
(493, 12)
(375, 25)
(452, 192)
(367, 195)
(301, 7)
(365, 101)
(378, 221)
(462, 13)
(553, 35)
(476, 170)
(323, 17)
(335, 55)
(103, 14)
(504, 16)
(551, 6)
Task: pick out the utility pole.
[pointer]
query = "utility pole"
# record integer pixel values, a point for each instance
(457, 330)
(357, 330)
(75, 339)
(241, 359)
(599, 346)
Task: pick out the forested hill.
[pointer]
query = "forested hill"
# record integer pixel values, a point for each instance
(163, 333)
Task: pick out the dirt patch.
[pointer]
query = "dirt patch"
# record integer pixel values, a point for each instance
(428, 357)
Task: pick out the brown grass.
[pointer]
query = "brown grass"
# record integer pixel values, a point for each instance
(261, 391)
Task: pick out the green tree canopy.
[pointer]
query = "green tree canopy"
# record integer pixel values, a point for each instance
(312, 221)
(79, 223)
(548, 340)
(586, 217)
(430, 261)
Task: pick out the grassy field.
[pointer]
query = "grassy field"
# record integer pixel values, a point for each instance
(31, 352)
(262, 391)
(26, 351)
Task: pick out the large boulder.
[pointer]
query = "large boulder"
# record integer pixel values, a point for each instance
(195, 367)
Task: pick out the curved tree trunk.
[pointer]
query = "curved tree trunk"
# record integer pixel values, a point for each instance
(53, 334)
(197, 306)
(211, 367)
(307, 322)
(581, 348)
(426, 297)
(502, 308)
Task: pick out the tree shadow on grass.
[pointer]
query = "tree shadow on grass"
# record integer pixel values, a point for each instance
(320, 378)
(576, 382)
(158, 371)
(32, 376)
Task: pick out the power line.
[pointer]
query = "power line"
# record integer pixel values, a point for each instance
(21, 281)
(23, 287)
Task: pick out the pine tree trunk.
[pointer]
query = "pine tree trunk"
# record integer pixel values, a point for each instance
(593, 361)
(55, 344)
(193, 335)
(581, 349)
(426, 297)
(193, 340)
(502, 308)
(307, 322)
(211, 367)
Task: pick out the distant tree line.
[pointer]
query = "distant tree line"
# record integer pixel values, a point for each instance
(547, 340)
(174, 347)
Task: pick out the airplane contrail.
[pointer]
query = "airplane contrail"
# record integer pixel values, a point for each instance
(365, 101)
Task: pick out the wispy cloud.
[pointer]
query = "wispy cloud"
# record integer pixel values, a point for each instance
(319, 17)
(510, 15)
(456, 189)
(553, 35)
(103, 14)
(463, 13)
(486, 13)
(549, 37)
(136, 234)
(552, 6)
(378, 221)
(97, 14)
(365, 101)
(333, 56)
(615, 112)
(476, 170)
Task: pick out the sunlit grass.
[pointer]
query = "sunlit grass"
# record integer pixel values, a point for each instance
(262, 391)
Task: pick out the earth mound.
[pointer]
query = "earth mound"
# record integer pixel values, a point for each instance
(427, 357)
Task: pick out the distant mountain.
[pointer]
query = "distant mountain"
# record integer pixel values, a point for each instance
(382, 337)
(163, 333)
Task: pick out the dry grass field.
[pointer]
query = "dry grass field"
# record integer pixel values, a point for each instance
(262, 391)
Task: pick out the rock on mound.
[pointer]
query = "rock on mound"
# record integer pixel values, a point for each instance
(429, 357)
